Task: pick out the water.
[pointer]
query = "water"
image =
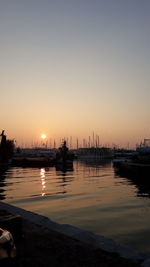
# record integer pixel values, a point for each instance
(88, 195)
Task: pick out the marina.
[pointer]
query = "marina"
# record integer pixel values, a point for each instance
(75, 135)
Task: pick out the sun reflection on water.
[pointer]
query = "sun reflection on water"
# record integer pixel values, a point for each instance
(43, 181)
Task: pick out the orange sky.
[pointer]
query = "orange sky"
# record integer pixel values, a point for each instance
(71, 68)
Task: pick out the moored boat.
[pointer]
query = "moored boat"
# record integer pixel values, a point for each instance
(136, 168)
(34, 157)
(32, 162)
(138, 163)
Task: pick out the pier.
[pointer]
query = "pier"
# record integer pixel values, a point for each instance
(46, 243)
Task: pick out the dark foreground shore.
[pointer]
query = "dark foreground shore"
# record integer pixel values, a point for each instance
(42, 247)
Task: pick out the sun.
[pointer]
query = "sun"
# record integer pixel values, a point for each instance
(43, 136)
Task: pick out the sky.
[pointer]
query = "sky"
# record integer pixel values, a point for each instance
(69, 68)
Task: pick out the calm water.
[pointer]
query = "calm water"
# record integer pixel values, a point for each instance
(89, 195)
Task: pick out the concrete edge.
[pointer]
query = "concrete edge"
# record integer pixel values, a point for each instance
(94, 240)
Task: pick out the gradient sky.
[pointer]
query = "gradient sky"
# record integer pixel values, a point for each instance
(71, 67)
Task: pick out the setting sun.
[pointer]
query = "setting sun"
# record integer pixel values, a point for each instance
(43, 136)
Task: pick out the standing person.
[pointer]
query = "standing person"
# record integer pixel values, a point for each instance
(64, 151)
(3, 149)
(3, 139)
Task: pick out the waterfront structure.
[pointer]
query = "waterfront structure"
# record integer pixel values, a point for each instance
(95, 153)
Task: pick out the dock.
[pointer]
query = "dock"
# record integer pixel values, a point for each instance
(46, 243)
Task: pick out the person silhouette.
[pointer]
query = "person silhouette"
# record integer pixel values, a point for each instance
(64, 151)
(3, 147)
(3, 139)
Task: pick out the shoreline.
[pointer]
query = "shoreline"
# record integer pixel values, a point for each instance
(87, 240)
